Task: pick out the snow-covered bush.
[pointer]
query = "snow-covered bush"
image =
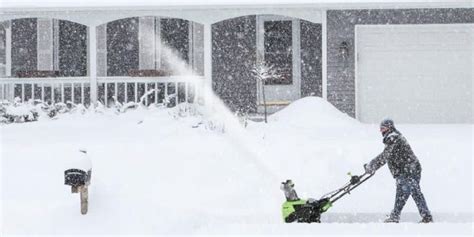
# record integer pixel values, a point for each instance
(32, 110)
(199, 115)
(18, 112)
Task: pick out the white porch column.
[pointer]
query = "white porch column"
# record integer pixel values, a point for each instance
(146, 42)
(324, 46)
(207, 86)
(92, 61)
(196, 44)
(45, 44)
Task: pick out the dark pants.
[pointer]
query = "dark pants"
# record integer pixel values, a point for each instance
(407, 186)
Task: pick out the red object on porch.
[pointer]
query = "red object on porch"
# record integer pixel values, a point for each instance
(148, 73)
(37, 73)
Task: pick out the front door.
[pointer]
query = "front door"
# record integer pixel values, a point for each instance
(278, 46)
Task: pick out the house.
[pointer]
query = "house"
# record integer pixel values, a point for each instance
(412, 61)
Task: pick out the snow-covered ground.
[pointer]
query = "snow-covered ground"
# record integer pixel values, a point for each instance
(158, 172)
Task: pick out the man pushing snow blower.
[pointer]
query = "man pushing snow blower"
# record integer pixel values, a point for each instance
(405, 169)
(403, 165)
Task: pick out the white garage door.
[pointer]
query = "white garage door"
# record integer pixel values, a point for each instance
(415, 73)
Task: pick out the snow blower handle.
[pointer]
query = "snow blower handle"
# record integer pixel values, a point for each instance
(353, 183)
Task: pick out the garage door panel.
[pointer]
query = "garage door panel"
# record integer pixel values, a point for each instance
(415, 74)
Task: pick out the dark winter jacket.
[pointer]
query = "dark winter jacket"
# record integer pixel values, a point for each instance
(399, 156)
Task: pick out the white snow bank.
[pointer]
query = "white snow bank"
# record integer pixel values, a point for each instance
(156, 171)
(312, 111)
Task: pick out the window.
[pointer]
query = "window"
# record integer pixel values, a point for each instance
(3, 50)
(45, 47)
(278, 51)
(136, 46)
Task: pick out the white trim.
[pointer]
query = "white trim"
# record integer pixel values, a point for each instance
(324, 54)
(44, 35)
(92, 62)
(203, 15)
(296, 54)
(197, 48)
(101, 50)
(296, 44)
(146, 44)
(207, 63)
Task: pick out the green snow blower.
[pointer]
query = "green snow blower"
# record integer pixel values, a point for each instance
(310, 210)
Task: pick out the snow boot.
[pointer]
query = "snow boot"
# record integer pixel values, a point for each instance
(391, 219)
(427, 219)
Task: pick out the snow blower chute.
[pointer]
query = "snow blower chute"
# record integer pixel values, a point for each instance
(310, 210)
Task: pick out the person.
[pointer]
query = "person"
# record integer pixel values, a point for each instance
(405, 169)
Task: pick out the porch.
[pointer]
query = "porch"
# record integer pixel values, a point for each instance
(143, 36)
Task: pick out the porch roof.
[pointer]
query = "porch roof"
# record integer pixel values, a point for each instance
(33, 5)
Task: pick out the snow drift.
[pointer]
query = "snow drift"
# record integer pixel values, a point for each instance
(159, 171)
(312, 111)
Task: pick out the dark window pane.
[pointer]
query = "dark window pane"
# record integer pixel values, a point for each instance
(87, 94)
(57, 93)
(28, 91)
(110, 94)
(17, 91)
(121, 92)
(47, 94)
(175, 34)
(101, 93)
(77, 93)
(140, 91)
(130, 92)
(3, 58)
(72, 49)
(151, 97)
(278, 51)
(171, 94)
(122, 46)
(67, 92)
(38, 92)
(24, 44)
(161, 92)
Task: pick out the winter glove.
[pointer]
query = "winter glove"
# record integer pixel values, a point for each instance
(368, 169)
(355, 179)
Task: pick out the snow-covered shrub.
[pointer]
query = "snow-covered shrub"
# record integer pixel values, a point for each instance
(32, 110)
(185, 110)
(18, 112)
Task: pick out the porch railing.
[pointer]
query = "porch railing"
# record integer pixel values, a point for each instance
(172, 89)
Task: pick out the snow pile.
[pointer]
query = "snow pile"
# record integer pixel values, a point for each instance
(77, 160)
(162, 170)
(312, 111)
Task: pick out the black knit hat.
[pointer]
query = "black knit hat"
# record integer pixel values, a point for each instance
(388, 123)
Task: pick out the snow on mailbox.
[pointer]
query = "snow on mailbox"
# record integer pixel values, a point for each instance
(78, 176)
